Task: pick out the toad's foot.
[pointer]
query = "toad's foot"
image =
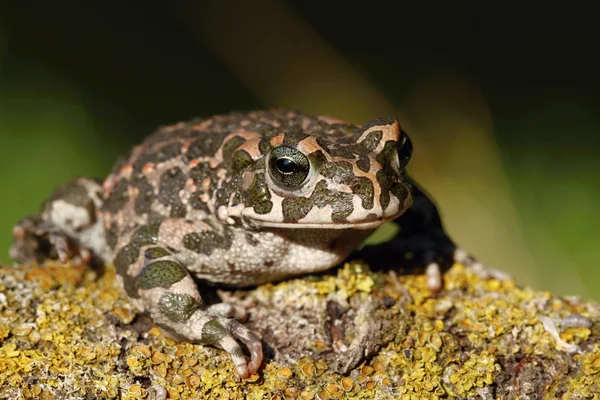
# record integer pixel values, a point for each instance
(159, 283)
(461, 256)
(35, 240)
(432, 250)
(206, 327)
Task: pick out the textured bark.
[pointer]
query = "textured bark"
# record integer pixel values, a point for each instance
(68, 332)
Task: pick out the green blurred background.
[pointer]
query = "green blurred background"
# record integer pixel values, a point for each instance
(502, 103)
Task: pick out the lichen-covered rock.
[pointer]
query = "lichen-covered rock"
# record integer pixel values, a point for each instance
(69, 333)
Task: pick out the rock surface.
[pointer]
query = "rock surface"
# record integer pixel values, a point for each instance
(70, 333)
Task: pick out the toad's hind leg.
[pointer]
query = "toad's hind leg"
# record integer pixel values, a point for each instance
(161, 285)
(67, 228)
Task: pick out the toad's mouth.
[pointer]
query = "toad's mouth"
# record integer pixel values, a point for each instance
(324, 218)
(364, 225)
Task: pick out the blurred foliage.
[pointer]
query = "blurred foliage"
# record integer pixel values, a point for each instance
(502, 105)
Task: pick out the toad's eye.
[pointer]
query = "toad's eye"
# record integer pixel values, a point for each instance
(288, 167)
(405, 149)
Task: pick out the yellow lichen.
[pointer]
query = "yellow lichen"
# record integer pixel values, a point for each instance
(479, 370)
(586, 383)
(77, 338)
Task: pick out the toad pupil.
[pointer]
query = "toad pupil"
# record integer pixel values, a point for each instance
(285, 165)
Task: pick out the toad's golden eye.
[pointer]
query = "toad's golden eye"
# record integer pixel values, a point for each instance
(288, 167)
(405, 149)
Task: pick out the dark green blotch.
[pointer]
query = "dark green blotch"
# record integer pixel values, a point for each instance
(385, 158)
(346, 140)
(317, 160)
(198, 173)
(338, 170)
(316, 126)
(77, 195)
(363, 187)
(401, 192)
(162, 273)
(153, 154)
(201, 171)
(378, 121)
(206, 146)
(129, 254)
(154, 222)
(145, 235)
(145, 196)
(72, 193)
(241, 159)
(167, 152)
(347, 151)
(117, 198)
(341, 202)
(212, 332)
(196, 203)
(342, 212)
(295, 208)
(177, 307)
(171, 182)
(293, 137)
(258, 195)
(222, 196)
(231, 145)
(125, 257)
(260, 127)
(386, 185)
(155, 252)
(111, 236)
(178, 211)
(206, 242)
(364, 163)
(388, 154)
(372, 140)
(264, 146)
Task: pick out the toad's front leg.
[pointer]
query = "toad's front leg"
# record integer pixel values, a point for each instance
(162, 286)
(422, 241)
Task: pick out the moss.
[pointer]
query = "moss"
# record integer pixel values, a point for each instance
(353, 333)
